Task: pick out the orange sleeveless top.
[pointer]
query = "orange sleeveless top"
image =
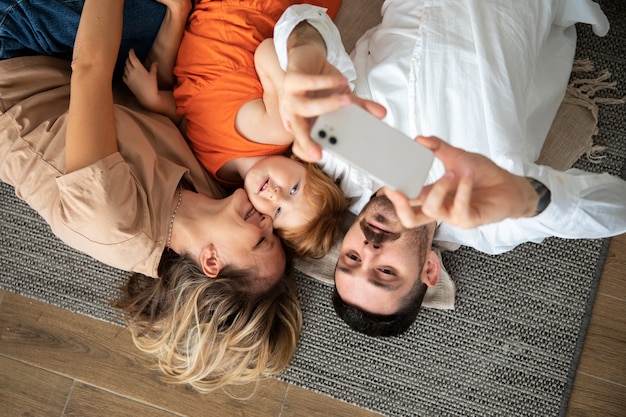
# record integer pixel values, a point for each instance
(216, 75)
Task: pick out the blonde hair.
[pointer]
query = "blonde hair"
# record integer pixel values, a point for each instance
(211, 332)
(317, 237)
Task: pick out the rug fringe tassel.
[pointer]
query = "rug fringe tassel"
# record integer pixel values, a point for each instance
(582, 91)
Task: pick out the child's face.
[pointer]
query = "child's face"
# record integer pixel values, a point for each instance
(275, 186)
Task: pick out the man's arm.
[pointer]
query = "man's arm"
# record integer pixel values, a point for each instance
(486, 207)
(91, 122)
(583, 205)
(316, 64)
(312, 87)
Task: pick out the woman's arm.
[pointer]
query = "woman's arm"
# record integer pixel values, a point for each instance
(91, 122)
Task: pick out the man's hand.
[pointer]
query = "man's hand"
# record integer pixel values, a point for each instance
(474, 191)
(312, 86)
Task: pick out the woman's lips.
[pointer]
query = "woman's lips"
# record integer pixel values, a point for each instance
(250, 213)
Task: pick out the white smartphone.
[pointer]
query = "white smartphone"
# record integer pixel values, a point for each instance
(371, 145)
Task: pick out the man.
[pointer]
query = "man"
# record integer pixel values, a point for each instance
(488, 78)
(383, 270)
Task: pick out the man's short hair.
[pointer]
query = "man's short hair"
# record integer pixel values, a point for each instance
(372, 324)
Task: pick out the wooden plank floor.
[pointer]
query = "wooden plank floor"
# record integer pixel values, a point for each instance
(56, 363)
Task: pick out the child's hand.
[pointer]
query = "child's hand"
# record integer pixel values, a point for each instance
(142, 83)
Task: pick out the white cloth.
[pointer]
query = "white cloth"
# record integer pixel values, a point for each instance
(355, 185)
(487, 77)
(317, 17)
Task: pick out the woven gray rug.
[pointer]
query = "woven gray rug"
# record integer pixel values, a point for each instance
(510, 348)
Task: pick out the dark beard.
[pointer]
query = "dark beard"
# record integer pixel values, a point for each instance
(420, 237)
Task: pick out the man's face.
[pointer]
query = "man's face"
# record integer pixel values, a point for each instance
(379, 260)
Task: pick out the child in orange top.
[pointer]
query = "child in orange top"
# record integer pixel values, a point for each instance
(228, 108)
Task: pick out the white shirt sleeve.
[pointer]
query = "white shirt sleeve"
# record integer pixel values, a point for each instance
(583, 206)
(316, 17)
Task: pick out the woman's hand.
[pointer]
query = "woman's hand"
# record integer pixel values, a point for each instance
(474, 191)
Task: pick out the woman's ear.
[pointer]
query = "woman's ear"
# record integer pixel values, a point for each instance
(210, 261)
(432, 267)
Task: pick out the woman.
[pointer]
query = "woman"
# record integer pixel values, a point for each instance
(123, 187)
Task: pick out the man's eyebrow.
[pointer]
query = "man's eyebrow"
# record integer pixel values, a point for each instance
(386, 287)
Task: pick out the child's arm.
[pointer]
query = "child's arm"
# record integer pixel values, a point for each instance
(270, 74)
(166, 44)
(259, 120)
(161, 60)
(145, 87)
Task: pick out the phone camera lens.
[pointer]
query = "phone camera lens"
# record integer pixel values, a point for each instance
(322, 134)
(333, 140)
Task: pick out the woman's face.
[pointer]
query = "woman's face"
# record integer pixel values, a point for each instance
(244, 239)
(275, 186)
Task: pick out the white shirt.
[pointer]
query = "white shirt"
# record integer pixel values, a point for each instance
(487, 77)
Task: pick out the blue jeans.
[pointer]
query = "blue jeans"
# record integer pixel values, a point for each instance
(48, 27)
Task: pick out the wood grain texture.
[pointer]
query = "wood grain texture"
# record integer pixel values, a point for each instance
(600, 384)
(593, 397)
(304, 403)
(94, 402)
(613, 281)
(103, 355)
(605, 343)
(29, 391)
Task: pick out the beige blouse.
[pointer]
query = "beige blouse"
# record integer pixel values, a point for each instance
(116, 210)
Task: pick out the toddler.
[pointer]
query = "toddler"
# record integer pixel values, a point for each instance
(226, 102)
